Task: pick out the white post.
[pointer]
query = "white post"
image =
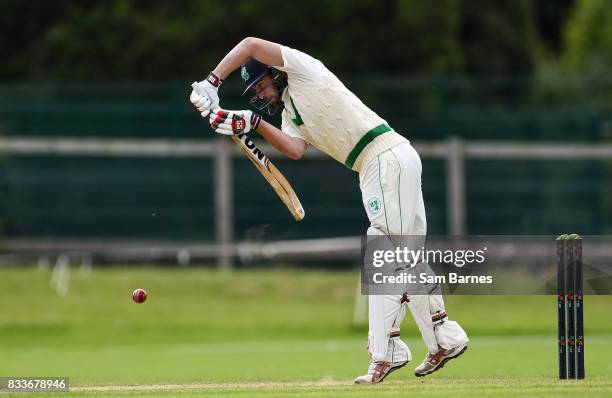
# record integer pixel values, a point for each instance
(455, 181)
(224, 200)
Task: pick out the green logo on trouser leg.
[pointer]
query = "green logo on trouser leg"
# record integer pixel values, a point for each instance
(374, 205)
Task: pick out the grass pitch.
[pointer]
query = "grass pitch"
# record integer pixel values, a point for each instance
(269, 333)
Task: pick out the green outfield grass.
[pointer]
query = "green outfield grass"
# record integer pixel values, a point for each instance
(270, 333)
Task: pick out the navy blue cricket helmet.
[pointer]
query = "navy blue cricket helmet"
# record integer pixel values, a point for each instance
(252, 72)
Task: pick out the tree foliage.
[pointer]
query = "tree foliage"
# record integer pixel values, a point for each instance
(158, 39)
(588, 36)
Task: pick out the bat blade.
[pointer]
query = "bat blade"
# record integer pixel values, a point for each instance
(274, 177)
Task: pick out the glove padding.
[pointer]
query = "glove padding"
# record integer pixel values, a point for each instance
(233, 122)
(204, 95)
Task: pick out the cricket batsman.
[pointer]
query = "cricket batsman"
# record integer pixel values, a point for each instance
(319, 110)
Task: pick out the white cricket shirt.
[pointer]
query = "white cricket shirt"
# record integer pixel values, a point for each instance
(319, 109)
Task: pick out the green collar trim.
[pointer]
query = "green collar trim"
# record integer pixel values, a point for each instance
(298, 119)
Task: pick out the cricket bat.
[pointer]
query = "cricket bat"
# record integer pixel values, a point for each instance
(275, 178)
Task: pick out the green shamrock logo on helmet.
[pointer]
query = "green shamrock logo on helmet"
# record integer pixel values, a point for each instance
(244, 74)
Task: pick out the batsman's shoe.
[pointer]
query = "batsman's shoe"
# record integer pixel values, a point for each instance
(397, 356)
(378, 371)
(436, 361)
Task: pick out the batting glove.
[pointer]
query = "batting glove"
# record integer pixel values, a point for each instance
(233, 122)
(204, 95)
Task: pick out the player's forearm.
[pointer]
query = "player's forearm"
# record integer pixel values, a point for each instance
(232, 61)
(264, 51)
(291, 147)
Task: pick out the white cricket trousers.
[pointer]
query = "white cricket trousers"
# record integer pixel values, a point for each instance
(391, 190)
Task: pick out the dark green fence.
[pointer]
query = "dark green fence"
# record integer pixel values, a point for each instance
(566, 108)
(98, 197)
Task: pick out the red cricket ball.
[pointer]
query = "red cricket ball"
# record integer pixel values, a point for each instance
(139, 296)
